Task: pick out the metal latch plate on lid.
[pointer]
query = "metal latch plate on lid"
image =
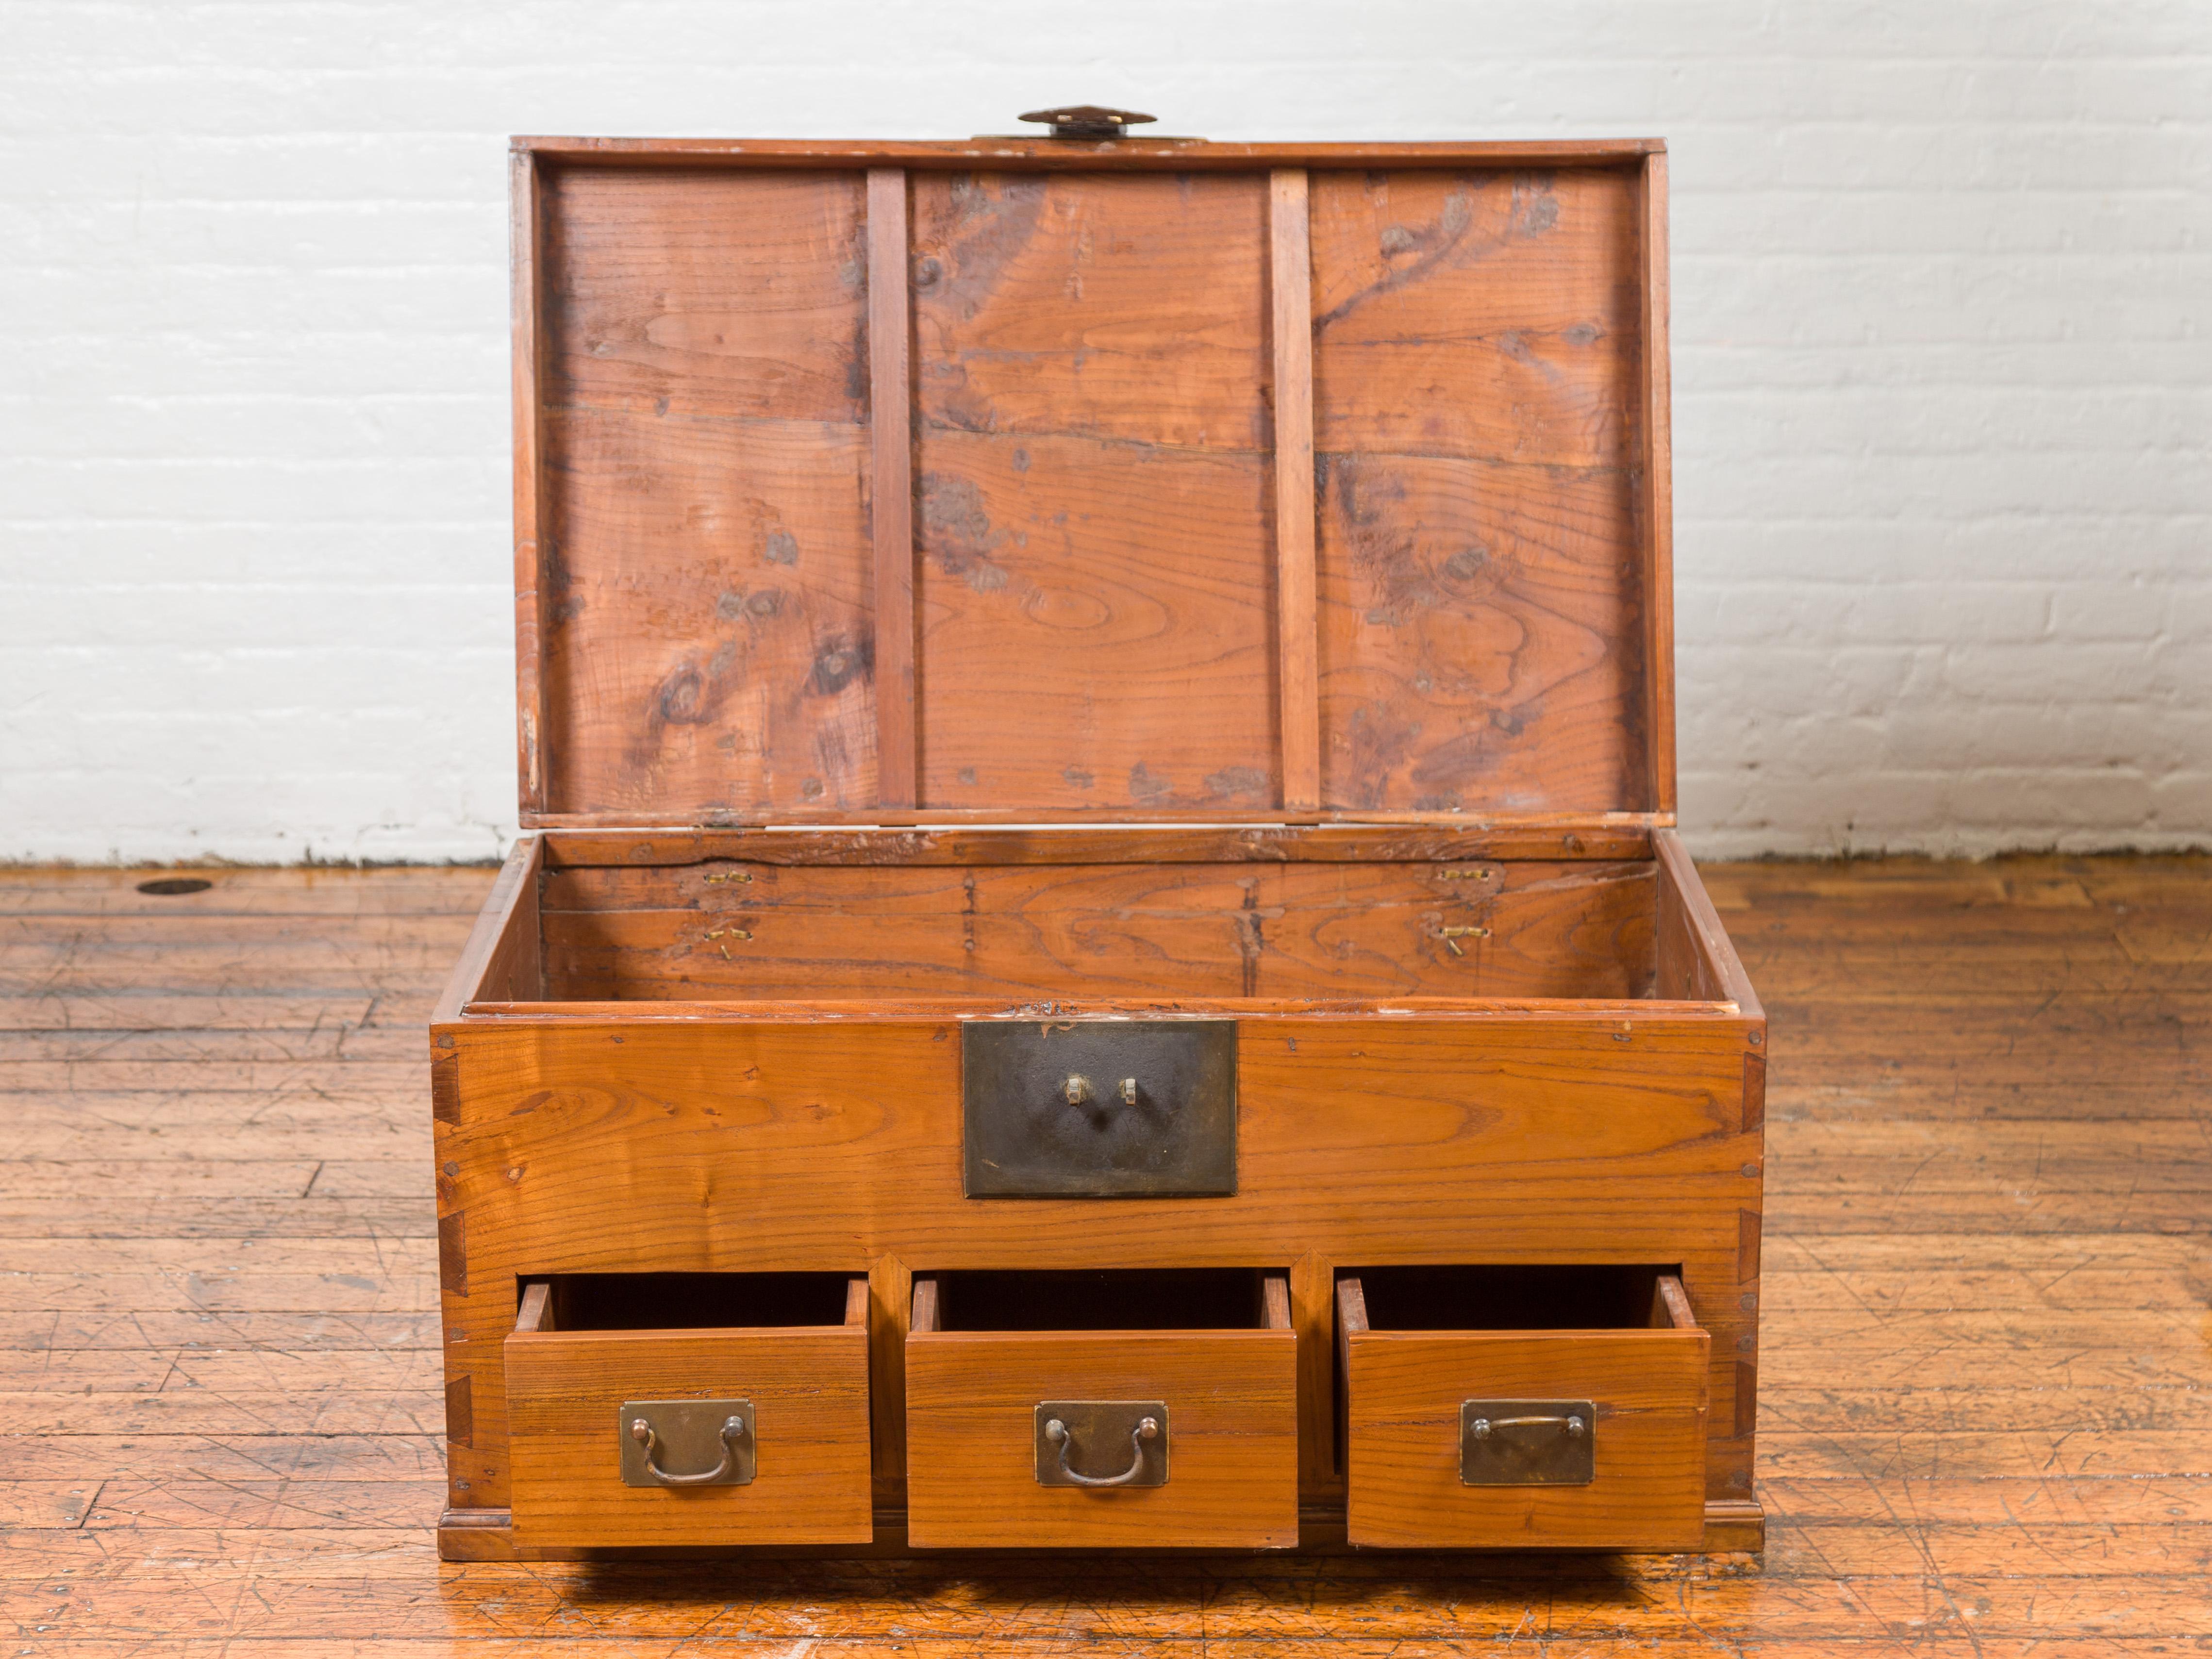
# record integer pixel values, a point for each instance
(1099, 1107)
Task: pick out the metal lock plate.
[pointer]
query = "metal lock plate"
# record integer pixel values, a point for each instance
(1098, 1108)
(1101, 1442)
(1528, 1442)
(687, 1442)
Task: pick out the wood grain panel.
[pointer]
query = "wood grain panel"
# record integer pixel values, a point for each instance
(1404, 1389)
(1078, 601)
(890, 1292)
(1092, 476)
(1320, 930)
(1477, 397)
(1655, 504)
(734, 294)
(526, 340)
(1682, 968)
(1033, 152)
(1289, 274)
(1264, 843)
(706, 573)
(504, 951)
(1313, 1314)
(1105, 365)
(809, 1386)
(730, 1146)
(1475, 640)
(1233, 1432)
(1553, 831)
(1695, 952)
(732, 669)
(1123, 309)
(1482, 314)
(891, 496)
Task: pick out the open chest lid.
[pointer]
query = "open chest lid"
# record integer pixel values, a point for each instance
(1124, 480)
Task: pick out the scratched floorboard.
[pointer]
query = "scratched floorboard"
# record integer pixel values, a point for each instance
(1984, 1427)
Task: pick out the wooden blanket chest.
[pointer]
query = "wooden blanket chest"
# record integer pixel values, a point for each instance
(1099, 957)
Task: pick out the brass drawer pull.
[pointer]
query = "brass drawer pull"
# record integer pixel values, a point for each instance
(1528, 1442)
(1141, 1424)
(1148, 1428)
(688, 1431)
(642, 1431)
(1482, 1427)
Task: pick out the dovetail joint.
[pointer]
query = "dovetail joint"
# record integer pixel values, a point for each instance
(453, 1252)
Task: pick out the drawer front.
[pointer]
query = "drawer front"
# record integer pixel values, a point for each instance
(800, 1394)
(1227, 1444)
(1640, 1483)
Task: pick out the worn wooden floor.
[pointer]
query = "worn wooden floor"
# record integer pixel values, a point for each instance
(1985, 1425)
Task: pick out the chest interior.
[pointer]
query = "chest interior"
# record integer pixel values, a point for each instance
(1089, 915)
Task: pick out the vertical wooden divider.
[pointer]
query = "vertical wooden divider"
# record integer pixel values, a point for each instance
(891, 429)
(529, 631)
(1313, 1312)
(1298, 661)
(1658, 496)
(891, 1290)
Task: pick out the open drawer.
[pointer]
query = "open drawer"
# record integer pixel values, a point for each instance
(1083, 1409)
(691, 1408)
(1491, 1407)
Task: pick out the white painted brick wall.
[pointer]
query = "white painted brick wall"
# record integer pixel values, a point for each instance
(1943, 280)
